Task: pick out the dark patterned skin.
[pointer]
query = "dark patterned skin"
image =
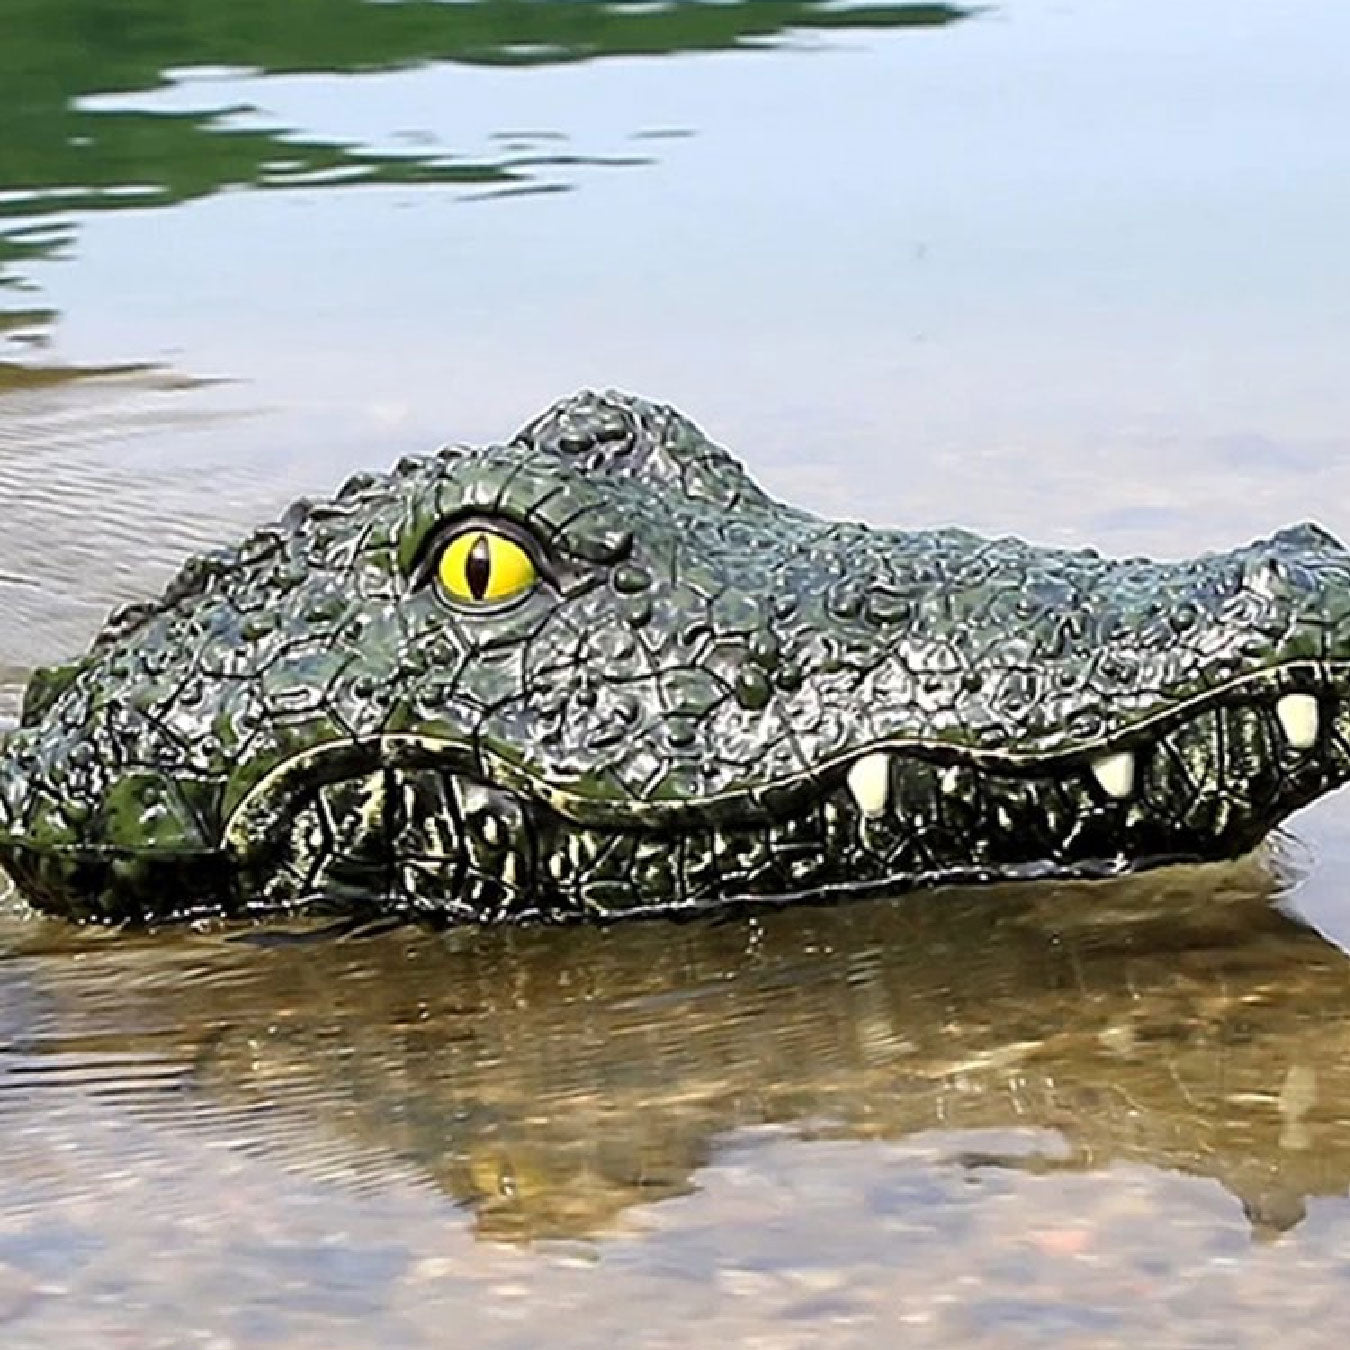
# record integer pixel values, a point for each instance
(707, 699)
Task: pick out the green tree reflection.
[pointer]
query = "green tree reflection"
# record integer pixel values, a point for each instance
(61, 154)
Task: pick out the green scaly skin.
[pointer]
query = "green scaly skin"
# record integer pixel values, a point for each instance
(709, 699)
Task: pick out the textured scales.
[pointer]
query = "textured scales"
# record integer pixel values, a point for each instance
(712, 698)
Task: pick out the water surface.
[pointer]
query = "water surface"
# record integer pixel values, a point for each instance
(1073, 271)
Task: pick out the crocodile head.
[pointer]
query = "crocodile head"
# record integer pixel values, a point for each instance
(596, 671)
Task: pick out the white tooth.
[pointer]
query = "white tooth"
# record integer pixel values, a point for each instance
(1115, 773)
(1299, 714)
(869, 780)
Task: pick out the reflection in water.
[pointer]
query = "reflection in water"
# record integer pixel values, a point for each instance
(15, 377)
(63, 151)
(551, 1080)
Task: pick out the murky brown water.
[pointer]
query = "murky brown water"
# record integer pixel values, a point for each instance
(1068, 1113)
(1066, 270)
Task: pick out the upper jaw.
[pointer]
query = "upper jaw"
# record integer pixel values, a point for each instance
(1298, 700)
(1298, 703)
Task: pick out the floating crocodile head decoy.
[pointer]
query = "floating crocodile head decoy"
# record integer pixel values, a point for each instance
(598, 672)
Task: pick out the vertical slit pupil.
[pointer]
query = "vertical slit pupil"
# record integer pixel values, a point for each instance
(478, 567)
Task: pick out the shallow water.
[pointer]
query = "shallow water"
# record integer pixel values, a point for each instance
(1073, 271)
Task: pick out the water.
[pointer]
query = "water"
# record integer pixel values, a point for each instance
(1071, 271)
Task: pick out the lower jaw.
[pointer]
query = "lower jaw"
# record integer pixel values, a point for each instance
(436, 843)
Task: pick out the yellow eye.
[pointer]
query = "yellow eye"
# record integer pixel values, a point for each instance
(481, 566)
